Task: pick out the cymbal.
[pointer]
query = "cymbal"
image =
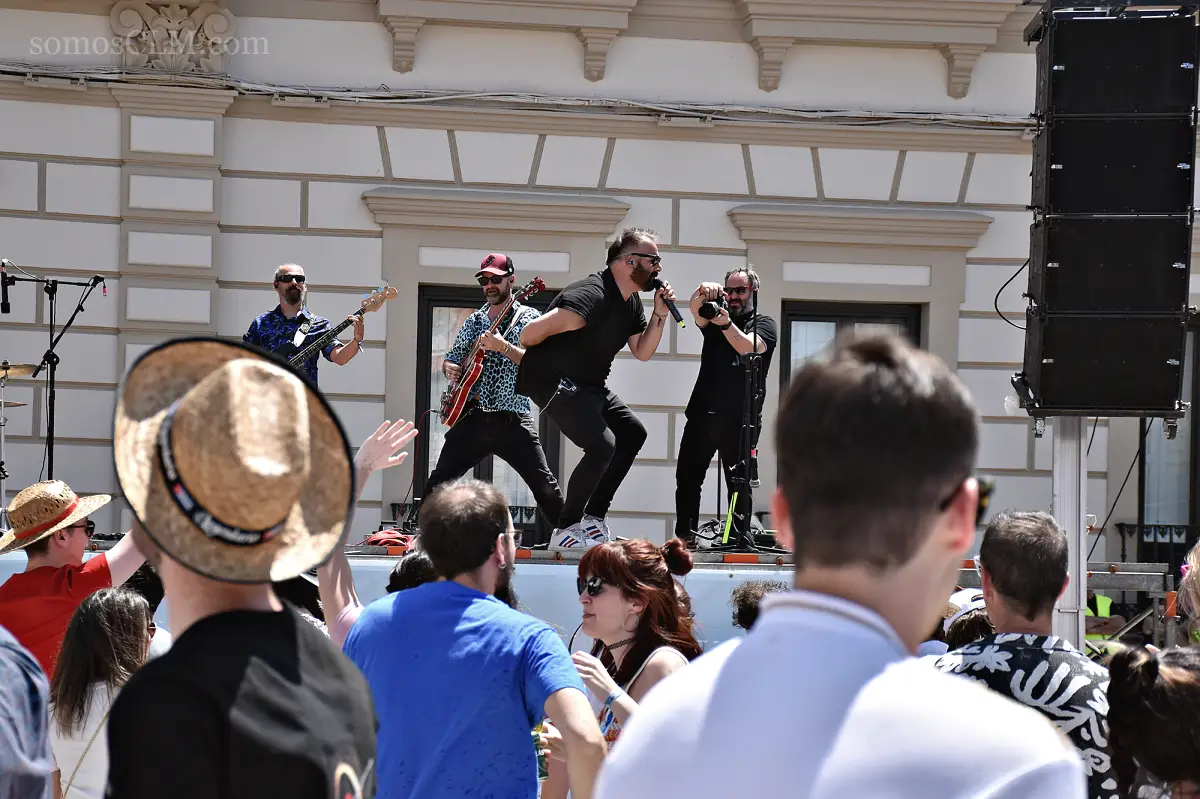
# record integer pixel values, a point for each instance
(16, 369)
(12, 404)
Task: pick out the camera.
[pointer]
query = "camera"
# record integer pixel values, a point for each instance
(710, 309)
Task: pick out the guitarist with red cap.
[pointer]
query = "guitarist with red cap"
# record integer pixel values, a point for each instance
(495, 420)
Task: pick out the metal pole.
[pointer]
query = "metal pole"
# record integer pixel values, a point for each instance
(1070, 504)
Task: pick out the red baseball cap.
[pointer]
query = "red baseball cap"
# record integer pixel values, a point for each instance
(496, 264)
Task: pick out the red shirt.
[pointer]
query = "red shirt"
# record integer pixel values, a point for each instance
(36, 606)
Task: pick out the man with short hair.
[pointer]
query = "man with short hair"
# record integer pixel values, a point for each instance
(716, 412)
(1023, 566)
(239, 475)
(569, 352)
(291, 326)
(877, 442)
(459, 677)
(51, 525)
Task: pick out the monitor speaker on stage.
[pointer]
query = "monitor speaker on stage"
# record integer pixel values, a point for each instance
(1113, 187)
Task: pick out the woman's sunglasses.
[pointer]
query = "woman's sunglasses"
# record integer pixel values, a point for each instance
(495, 280)
(593, 585)
(291, 279)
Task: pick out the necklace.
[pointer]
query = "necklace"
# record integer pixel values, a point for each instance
(610, 647)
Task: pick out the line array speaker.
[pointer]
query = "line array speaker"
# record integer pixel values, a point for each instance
(1113, 183)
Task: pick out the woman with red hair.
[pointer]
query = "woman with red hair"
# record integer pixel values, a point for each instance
(639, 619)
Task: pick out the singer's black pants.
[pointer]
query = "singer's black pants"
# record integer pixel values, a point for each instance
(704, 435)
(510, 436)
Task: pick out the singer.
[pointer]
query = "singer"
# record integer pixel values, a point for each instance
(715, 412)
(568, 356)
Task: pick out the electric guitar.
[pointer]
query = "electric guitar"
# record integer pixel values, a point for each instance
(454, 398)
(372, 302)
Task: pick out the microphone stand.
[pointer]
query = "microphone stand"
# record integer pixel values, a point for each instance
(50, 359)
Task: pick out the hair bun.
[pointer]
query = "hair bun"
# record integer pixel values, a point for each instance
(1134, 670)
(677, 556)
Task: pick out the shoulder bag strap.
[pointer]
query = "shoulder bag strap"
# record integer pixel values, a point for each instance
(86, 749)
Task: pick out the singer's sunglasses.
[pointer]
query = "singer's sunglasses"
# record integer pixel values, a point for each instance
(655, 260)
(593, 585)
(495, 280)
(291, 279)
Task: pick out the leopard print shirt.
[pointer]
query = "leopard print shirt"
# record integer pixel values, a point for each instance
(496, 388)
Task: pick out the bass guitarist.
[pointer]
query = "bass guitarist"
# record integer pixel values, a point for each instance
(287, 329)
(496, 420)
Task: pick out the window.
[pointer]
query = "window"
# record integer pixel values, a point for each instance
(1167, 478)
(809, 327)
(441, 312)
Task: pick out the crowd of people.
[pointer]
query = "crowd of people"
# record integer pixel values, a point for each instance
(241, 481)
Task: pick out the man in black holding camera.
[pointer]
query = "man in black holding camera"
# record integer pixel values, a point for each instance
(728, 319)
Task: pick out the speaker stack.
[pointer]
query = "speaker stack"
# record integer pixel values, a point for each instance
(1113, 179)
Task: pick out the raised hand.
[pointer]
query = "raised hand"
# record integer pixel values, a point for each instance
(382, 450)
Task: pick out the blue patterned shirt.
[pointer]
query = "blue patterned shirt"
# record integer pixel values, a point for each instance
(275, 333)
(496, 389)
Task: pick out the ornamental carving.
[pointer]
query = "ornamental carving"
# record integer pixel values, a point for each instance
(176, 37)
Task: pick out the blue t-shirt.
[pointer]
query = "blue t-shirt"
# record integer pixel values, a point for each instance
(459, 680)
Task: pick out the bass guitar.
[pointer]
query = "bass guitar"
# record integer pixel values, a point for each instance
(454, 398)
(372, 302)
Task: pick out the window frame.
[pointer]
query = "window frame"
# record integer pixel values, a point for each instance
(842, 314)
(430, 296)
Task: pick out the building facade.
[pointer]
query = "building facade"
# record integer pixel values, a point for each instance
(870, 158)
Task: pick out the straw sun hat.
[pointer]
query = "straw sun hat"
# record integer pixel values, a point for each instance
(234, 466)
(43, 509)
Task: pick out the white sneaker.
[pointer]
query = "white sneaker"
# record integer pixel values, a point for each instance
(597, 529)
(578, 537)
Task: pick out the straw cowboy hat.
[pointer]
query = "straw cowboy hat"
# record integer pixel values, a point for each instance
(235, 467)
(43, 509)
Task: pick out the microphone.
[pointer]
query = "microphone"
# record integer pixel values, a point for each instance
(5, 307)
(657, 284)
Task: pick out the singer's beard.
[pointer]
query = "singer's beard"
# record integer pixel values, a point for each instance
(642, 278)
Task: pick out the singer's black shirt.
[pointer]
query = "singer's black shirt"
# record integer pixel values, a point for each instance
(721, 384)
(585, 355)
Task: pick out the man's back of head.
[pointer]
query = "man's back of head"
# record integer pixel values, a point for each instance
(460, 523)
(872, 440)
(1024, 559)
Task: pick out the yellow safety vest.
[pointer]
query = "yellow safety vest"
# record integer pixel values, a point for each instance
(1104, 605)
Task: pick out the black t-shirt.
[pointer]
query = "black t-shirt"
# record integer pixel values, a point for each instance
(721, 385)
(244, 705)
(585, 355)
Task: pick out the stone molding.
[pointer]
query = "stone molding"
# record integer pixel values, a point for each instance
(812, 224)
(594, 22)
(172, 100)
(180, 36)
(960, 29)
(473, 209)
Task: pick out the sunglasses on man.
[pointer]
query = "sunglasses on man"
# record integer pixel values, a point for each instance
(593, 585)
(290, 279)
(495, 280)
(89, 527)
(655, 260)
(739, 290)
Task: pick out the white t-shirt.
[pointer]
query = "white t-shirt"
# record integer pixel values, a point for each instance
(93, 771)
(821, 700)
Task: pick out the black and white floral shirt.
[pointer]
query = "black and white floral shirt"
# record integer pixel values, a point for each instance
(1047, 674)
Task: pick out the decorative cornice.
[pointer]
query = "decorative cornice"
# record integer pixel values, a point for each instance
(181, 36)
(500, 119)
(594, 22)
(881, 227)
(961, 29)
(174, 99)
(473, 209)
